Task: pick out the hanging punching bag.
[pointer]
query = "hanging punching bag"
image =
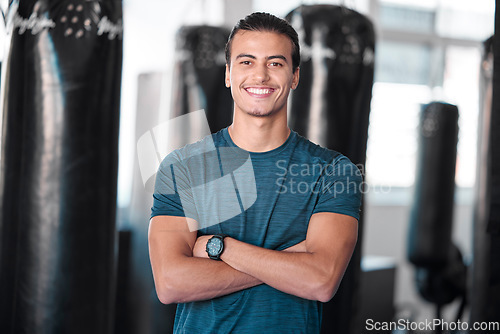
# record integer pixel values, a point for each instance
(199, 76)
(331, 107)
(485, 274)
(59, 150)
(440, 272)
(429, 237)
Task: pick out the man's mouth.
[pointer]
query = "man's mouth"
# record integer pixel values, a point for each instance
(259, 91)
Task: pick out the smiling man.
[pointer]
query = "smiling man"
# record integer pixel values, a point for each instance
(261, 81)
(268, 268)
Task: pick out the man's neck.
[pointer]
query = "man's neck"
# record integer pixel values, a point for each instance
(259, 134)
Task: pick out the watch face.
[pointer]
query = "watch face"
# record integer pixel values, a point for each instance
(214, 246)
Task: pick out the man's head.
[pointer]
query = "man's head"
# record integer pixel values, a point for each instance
(265, 22)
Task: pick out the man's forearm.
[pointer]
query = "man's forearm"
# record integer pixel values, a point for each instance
(180, 277)
(297, 273)
(193, 279)
(313, 270)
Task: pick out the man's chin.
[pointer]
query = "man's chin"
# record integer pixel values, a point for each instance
(261, 113)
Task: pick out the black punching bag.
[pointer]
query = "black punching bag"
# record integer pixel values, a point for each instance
(432, 211)
(199, 77)
(440, 272)
(331, 107)
(59, 159)
(485, 274)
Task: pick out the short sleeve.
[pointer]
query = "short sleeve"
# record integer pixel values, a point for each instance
(341, 188)
(166, 197)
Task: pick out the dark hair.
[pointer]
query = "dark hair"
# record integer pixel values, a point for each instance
(266, 22)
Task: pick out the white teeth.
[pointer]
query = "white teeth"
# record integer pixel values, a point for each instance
(259, 91)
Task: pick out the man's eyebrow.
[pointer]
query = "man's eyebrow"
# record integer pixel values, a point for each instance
(242, 55)
(277, 57)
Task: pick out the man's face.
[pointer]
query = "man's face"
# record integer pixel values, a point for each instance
(260, 74)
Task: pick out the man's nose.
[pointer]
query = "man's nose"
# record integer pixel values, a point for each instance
(261, 73)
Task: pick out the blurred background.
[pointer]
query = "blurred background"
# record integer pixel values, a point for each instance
(425, 51)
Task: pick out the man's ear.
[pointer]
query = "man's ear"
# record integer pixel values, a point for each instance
(228, 77)
(295, 80)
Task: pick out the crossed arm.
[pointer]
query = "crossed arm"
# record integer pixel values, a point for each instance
(311, 269)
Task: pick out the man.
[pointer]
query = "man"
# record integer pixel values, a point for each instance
(267, 267)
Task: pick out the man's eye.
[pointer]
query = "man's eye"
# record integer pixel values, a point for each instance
(275, 64)
(245, 62)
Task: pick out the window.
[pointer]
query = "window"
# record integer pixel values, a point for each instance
(424, 53)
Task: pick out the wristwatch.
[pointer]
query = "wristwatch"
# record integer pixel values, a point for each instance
(215, 246)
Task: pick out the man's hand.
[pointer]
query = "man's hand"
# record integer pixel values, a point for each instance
(297, 248)
(200, 246)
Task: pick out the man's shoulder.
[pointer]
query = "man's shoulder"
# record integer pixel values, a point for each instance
(205, 145)
(314, 152)
(332, 161)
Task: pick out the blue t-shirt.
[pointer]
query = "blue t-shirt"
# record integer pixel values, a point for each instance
(264, 199)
